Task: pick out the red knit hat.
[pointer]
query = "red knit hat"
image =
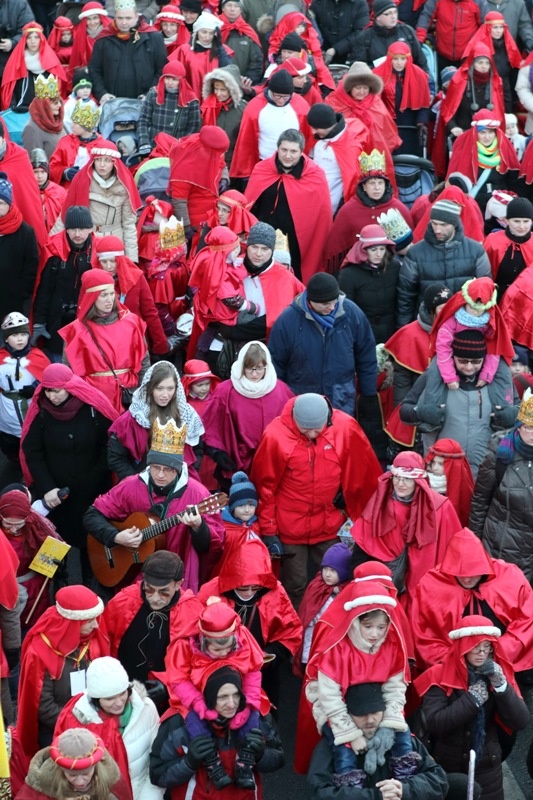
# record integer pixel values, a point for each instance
(218, 620)
(170, 13)
(77, 749)
(78, 603)
(296, 67)
(174, 69)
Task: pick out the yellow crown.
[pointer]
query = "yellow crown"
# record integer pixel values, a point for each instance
(372, 163)
(47, 87)
(85, 116)
(171, 233)
(168, 438)
(282, 241)
(525, 414)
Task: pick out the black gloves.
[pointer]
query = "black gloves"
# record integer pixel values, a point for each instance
(156, 691)
(234, 302)
(27, 391)
(13, 658)
(255, 741)
(199, 749)
(222, 460)
(273, 545)
(430, 413)
(70, 173)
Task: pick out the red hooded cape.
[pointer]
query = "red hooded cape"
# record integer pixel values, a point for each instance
(240, 218)
(82, 48)
(527, 164)
(415, 84)
(483, 36)
(373, 113)
(471, 216)
(409, 347)
(16, 66)
(197, 64)
(288, 24)
(464, 156)
(517, 308)
(459, 479)
(439, 601)
(309, 202)
(26, 196)
(215, 279)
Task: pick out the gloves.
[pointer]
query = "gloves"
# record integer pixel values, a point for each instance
(38, 331)
(255, 741)
(493, 672)
(234, 302)
(156, 691)
(479, 693)
(27, 391)
(421, 35)
(240, 718)
(70, 173)
(273, 545)
(328, 58)
(200, 747)
(252, 308)
(13, 658)
(144, 150)
(223, 186)
(222, 460)
(430, 413)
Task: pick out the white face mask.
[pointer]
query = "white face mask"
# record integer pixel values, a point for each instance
(438, 483)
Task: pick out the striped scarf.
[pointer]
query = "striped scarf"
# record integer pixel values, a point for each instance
(488, 157)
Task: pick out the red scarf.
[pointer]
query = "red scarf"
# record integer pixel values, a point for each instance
(211, 108)
(41, 113)
(11, 222)
(141, 26)
(240, 26)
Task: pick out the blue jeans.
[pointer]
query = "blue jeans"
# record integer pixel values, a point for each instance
(344, 758)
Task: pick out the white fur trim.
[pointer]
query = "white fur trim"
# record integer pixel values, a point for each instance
(487, 630)
(82, 614)
(110, 254)
(373, 578)
(170, 16)
(377, 599)
(97, 152)
(101, 11)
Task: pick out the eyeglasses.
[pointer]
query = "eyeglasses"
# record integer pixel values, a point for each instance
(13, 526)
(254, 370)
(485, 649)
(162, 470)
(151, 590)
(465, 361)
(401, 479)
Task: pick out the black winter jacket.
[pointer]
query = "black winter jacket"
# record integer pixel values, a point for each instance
(19, 259)
(374, 291)
(374, 41)
(127, 68)
(337, 20)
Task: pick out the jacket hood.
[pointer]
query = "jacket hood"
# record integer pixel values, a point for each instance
(250, 565)
(465, 557)
(299, 305)
(430, 237)
(43, 769)
(228, 76)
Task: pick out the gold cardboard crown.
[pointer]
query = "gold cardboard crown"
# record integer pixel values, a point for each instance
(171, 233)
(372, 163)
(168, 438)
(282, 241)
(525, 414)
(85, 116)
(47, 87)
(394, 225)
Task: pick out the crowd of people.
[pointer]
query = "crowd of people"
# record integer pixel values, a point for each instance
(264, 410)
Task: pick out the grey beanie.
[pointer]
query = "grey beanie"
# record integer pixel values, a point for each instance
(78, 217)
(310, 411)
(262, 233)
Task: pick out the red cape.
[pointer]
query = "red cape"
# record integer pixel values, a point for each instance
(459, 478)
(26, 196)
(192, 162)
(471, 216)
(527, 164)
(483, 35)
(288, 24)
(240, 26)
(517, 308)
(82, 48)
(373, 113)
(496, 245)
(35, 362)
(309, 202)
(78, 191)
(65, 154)
(197, 65)
(52, 199)
(415, 86)
(464, 156)
(347, 149)
(16, 68)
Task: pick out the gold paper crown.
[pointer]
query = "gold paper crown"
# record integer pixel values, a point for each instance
(525, 413)
(394, 225)
(171, 233)
(372, 163)
(47, 87)
(282, 241)
(85, 116)
(168, 439)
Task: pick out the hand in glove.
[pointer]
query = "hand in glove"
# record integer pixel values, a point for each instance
(479, 693)
(273, 545)
(144, 150)
(421, 35)
(200, 748)
(70, 173)
(27, 391)
(156, 691)
(431, 413)
(173, 341)
(234, 302)
(199, 707)
(422, 133)
(493, 672)
(240, 719)
(255, 741)
(223, 186)
(38, 331)
(222, 460)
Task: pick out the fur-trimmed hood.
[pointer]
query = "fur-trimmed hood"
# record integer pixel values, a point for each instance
(43, 769)
(228, 76)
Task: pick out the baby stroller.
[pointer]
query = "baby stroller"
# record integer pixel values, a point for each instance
(338, 71)
(414, 176)
(118, 124)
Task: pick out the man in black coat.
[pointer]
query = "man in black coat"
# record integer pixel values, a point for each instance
(128, 57)
(337, 19)
(373, 42)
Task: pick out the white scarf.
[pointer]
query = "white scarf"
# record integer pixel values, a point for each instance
(246, 387)
(33, 62)
(438, 483)
(105, 183)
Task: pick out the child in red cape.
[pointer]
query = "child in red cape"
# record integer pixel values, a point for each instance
(449, 474)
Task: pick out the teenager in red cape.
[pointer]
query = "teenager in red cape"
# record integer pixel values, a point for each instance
(170, 13)
(239, 219)
(52, 197)
(414, 82)
(25, 543)
(83, 43)
(305, 85)
(471, 216)
(309, 203)
(198, 62)
(344, 457)
(196, 167)
(16, 164)
(494, 586)
(64, 51)
(132, 289)
(189, 665)
(288, 24)
(451, 103)
(465, 158)
(54, 646)
(246, 152)
(122, 340)
(153, 213)
(333, 655)
(66, 153)
(483, 35)
(195, 371)
(496, 246)
(457, 473)
(16, 68)
(424, 525)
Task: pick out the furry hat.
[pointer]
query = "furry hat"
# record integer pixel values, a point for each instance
(360, 73)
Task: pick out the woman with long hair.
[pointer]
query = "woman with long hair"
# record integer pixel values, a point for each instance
(205, 52)
(93, 19)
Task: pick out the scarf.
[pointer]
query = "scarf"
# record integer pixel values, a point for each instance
(464, 318)
(11, 222)
(438, 483)
(66, 411)
(326, 321)
(510, 443)
(105, 183)
(246, 387)
(478, 728)
(211, 108)
(33, 62)
(255, 271)
(41, 113)
(488, 157)
(241, 27)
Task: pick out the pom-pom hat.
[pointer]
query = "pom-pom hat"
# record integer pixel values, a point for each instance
(242, 491)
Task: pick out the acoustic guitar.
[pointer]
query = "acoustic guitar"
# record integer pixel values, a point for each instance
(110, 565)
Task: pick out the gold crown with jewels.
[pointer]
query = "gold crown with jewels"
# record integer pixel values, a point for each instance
(171, 233)
(394, 225)
(372, 163)
(168, 439)
(47, 87)
(85, 116)
(525, 414)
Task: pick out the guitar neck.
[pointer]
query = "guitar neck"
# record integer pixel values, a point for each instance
(160, 527)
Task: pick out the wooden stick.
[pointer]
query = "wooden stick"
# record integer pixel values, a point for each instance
(41, 590)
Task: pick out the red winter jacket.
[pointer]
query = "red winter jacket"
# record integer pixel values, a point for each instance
(456, 21)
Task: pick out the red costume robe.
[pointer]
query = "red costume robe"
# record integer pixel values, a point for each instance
(195, 173)
(26, 197)
(439, 601)
(464, 156)
(309, 202)
(16, 68)
(288, 24)
(197, 65)
(373, 113)
(498, 243)
(516, 308)
(83, 45)
(459, 478)
(347, 149)
(52, 199)
(65, 154)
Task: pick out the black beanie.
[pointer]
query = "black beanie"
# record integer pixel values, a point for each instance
(78, 217)
(321, 116)
(281, 82)
(435, 295)
(292, 42)
(218, 679)
(380, 6)
(519, 208)
(191, 5)
(469, 344)
(322, 288)
(364, 698)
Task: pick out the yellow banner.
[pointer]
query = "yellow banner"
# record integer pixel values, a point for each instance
(48, 557)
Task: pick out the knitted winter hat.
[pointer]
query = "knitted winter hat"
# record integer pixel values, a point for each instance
(281, 82)
(380, 6)
(77, 749)
(106, 677)
(321, 116)
(162, 567)
(296, 67)
(6, 189)
(218, 620)
(207, 22)
(446, 211)
(191, 5)
(262, 233)
(310, 411)
(364, 698)
(241, 491)
(520, 208)
(469, 344)
(78, 217)
(447, 74)
(292, 42)
(338, 557)
(498, 203)
(169, 13)
(78, 603)
(322, 288)
(435, 295)
(218, 679)
(14, 323)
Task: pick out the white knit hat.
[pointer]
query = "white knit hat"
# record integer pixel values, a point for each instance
(207, 22)
(106, 677)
